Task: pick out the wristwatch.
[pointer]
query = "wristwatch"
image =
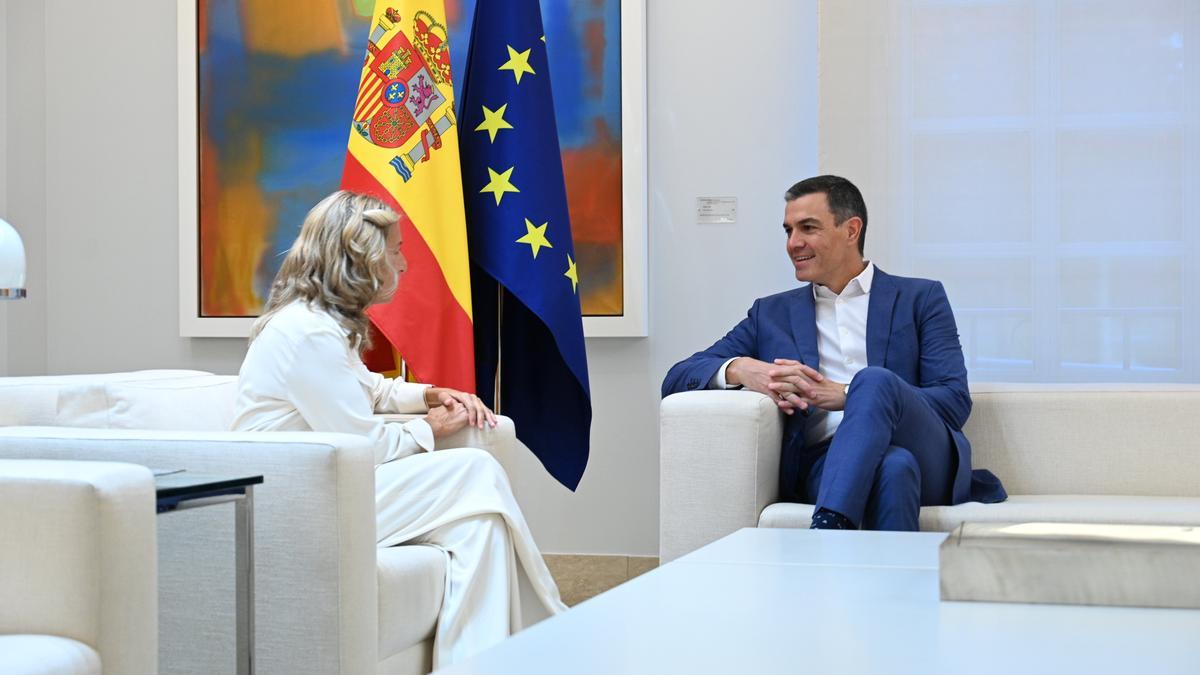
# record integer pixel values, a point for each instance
(846, 390)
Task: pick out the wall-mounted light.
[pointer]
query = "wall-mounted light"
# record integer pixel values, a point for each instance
(12, 263)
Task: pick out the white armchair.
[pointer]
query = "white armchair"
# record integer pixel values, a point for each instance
(326, 599)
(78, 568)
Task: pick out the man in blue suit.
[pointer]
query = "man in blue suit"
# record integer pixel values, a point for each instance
(867, 366)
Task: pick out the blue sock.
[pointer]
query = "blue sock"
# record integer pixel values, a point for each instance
(824, 519)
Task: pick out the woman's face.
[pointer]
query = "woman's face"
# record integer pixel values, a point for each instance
(396, 259)
(395, 255)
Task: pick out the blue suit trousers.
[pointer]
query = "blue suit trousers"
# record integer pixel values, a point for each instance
(891, 455)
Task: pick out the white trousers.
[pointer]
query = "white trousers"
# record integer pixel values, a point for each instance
(460, 501)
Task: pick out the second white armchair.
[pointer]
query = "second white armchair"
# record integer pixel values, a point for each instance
(78, 568)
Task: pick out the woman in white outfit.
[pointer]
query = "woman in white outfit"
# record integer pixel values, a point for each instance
(303, 372)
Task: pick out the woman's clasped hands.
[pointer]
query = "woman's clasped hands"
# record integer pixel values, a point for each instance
(451, 410)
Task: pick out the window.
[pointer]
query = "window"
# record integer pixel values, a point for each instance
(1042, 159)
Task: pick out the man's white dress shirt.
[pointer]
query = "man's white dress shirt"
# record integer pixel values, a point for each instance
(841, 345)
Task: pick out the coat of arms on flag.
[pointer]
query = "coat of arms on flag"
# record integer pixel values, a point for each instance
(404, 99)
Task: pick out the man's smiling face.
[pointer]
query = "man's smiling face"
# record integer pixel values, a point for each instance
(821, 250)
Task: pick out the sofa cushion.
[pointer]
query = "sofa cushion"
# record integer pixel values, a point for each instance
(1028, 508)
(412, 580)
(196, 403)
(1099, 440)
(33, 401)
(47, 655)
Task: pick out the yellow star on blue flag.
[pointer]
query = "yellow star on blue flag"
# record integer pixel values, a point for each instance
(498, 183)
(535, 236)
(518, 63)
(493, 121)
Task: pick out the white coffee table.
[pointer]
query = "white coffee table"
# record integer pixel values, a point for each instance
(801, 601)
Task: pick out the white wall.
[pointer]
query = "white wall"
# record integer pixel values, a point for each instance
(23, 322)
(732, 112)
(4, 166)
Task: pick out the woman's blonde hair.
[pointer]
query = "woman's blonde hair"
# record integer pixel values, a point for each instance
(339, 263)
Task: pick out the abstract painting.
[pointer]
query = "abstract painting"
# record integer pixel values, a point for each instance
(276, 82)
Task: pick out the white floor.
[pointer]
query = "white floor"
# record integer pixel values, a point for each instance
(792, 601)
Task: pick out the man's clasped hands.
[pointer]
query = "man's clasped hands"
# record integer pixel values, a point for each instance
(790, 384)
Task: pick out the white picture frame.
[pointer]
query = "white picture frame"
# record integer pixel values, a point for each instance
(633, 322)
(191, 323)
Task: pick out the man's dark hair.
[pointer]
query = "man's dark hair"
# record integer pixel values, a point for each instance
(845, 201)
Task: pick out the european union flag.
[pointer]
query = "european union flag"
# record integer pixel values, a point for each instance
(530, 362)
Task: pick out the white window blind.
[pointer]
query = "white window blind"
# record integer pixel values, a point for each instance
(1040, 158)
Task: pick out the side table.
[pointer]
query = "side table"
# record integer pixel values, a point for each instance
(184, 490)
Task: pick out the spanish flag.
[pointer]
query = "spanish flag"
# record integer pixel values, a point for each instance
(403, 149)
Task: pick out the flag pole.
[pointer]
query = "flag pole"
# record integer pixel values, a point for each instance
(499, 344)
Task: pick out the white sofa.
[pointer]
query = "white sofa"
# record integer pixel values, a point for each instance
(77, 568)
(326, 600)
(1102, 454)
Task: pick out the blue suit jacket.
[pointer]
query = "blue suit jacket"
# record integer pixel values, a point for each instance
(910, 331)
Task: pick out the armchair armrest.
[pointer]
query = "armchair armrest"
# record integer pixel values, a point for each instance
(719, 466)
(499, 441)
